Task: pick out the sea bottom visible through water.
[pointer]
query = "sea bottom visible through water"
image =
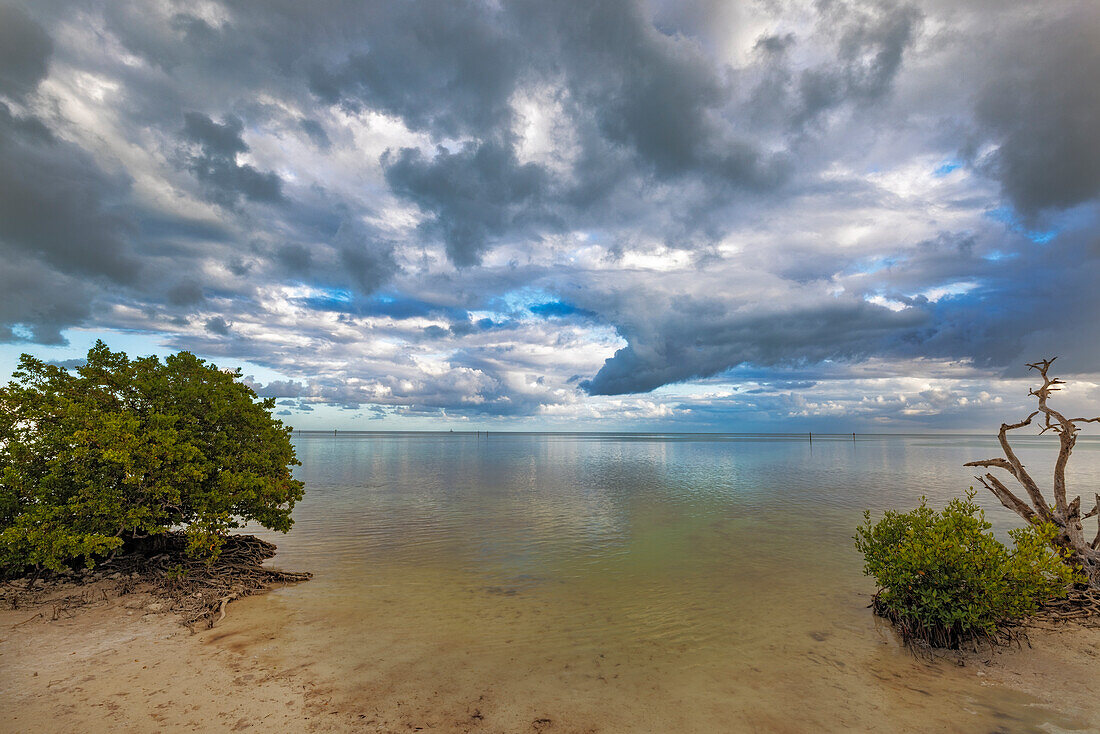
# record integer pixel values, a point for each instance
(617, 583)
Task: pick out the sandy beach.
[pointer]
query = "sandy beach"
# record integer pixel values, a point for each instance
(116, 667)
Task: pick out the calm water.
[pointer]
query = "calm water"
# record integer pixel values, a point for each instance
(657, 582)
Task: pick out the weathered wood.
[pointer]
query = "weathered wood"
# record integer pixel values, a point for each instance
(1009, 500)
(988, 463)
(1021, 474)
(1094, 511)
(1065, 514)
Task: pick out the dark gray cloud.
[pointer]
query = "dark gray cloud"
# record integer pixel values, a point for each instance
(872, 40)
(1039, 107)
(216, 166)
(37, 302)
(57, 204)
(294, 257)
(659, 95)
(364, 257)
(185, 293)
(217, 325)
(644, 106)
(697, 338)
(61, 220)
(25, 50)
(470, 208)
(865, 45)
(476, 194)
(447, 67)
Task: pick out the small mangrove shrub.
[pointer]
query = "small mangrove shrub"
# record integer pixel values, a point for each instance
(944, 578)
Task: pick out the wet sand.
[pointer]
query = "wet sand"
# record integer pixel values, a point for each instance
(115, 668)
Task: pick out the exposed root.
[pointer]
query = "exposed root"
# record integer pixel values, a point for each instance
(925, 640)
(1081, 605)
(29, 619)
(196, 591)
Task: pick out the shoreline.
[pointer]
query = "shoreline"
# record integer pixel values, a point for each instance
(117, 667)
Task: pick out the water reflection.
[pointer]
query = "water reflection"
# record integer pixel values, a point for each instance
(534, 564)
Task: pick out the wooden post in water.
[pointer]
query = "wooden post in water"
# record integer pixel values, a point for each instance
(811, 434)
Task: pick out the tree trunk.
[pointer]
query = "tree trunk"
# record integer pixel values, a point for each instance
(1065, 514)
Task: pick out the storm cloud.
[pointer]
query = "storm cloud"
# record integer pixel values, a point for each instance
(1040, 112)
(24, 52)
(703, 339)
(578, 211)
(215, 163)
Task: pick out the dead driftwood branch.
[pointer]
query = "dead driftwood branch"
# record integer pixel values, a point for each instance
(1065, 514)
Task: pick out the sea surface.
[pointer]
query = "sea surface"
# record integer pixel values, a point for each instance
(619, 582)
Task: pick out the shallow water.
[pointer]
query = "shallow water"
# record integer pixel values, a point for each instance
(657, 582)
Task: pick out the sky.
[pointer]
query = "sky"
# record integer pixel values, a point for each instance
(755, 215)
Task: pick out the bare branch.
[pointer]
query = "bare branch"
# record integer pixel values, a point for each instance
(1021, 424)
(1006, 497)
(1094, 511)
(1042, 365)
(1018, 470)
(988, 463)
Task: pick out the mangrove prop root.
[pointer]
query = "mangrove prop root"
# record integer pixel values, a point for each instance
(925, 639)
(195, 590)
(1080, 606)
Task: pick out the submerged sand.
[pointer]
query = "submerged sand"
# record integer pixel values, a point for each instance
(118, 668)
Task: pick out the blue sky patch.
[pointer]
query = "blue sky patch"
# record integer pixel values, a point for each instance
(558, 308)
(946, 167)
(1008, 217)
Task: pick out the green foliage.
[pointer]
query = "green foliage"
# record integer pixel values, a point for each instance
(944, 578)
(130, 448)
